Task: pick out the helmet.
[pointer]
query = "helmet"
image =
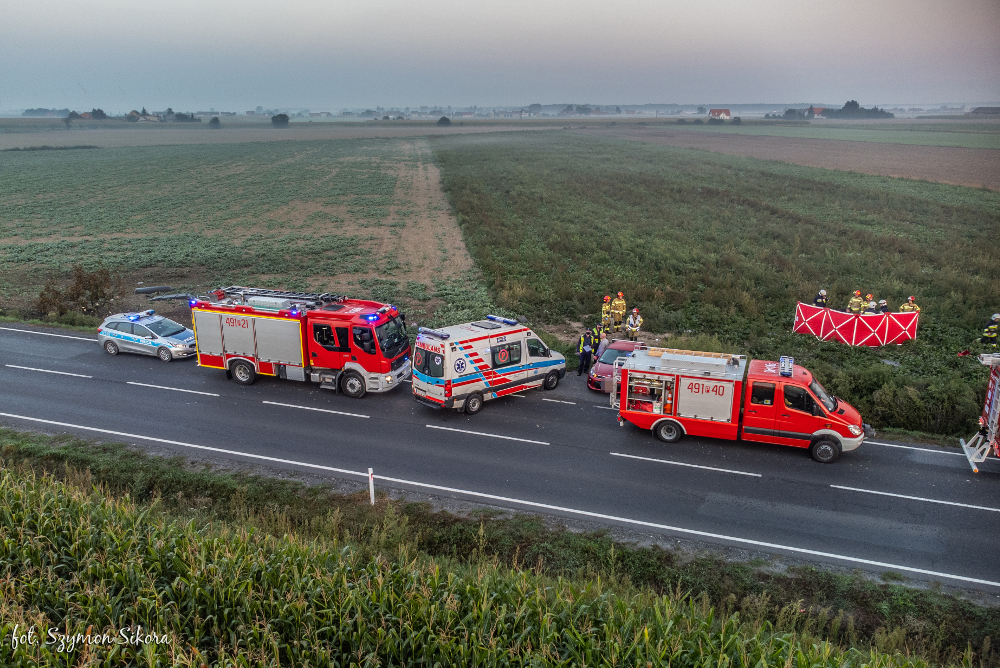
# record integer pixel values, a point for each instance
(636, 311)
(911, 298)
(869, 297)
(620, 295)
(607, 298)
(823, 293)
(996, 316)
(881, 302)
(857, 293)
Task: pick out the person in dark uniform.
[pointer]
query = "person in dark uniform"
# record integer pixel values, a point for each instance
(585, 349)
(820, 299)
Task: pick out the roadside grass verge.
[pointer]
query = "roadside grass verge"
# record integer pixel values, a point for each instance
(342, 536)
(721, 245)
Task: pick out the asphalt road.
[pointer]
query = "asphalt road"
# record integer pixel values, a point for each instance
(919, 510)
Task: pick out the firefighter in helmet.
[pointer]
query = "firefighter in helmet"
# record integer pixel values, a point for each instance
(910, 305)
(820, 299)
(883, 306)
(606, 321)
(618, 309)
(869, 301)
(990, 331)
(633, 324)
(856, 304)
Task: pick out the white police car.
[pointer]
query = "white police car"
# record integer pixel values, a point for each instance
(146, 334)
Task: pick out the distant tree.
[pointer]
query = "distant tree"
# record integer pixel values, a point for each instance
(582, 109)
(854, 110)
(385, 118)
(737, 121)
(215, 123)
(73, 116)
(715, 121)
(810, 113)
(279, 120)
(698, 121)
(443, 121)
(68, 122)
(618, 110)
(568, 109)
(535, 108)
(702, 110)
(144, 112)
(98, 114)
(791, 114)
(681, 121)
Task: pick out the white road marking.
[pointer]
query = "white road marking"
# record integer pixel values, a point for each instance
(531, 504)
(62, 336)
(694, 466)
(519, 396)
(61, 373)
(482, 433)
(321, 410)
(910, 447)
(917, 498)
(175, 389)
(557, 401)
(607, 408)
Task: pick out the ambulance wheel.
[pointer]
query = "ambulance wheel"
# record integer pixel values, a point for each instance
(243, 372)
(668, 432)
(164, 355)
(110, 348)
(353, 385)
(473, 403)
(825, 451)
(551, 381)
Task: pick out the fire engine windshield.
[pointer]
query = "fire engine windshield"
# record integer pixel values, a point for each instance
(392, 338)
(828, 401)
(429, 363)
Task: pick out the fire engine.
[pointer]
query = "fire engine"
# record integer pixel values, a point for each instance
(682, 392)
(353, 345)
(988, 437)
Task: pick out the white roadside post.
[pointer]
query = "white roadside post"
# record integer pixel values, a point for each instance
(371, 486)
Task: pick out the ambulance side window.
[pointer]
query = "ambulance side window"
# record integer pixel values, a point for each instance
(537, 349)
(798, 399)
(763, 394)
(506, 354)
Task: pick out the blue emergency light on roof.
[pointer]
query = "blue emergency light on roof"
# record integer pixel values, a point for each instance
(785, 366)
(371, 317)
(506, 321)
(193, 302)
(433, 332)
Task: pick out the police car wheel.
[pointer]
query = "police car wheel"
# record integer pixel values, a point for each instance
(110, 348)
(668, 432)
(243, 373)
(353, 385)
(473, 403)
(825, 452)
(164, 355)
(551, 381)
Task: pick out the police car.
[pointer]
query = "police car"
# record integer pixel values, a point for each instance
(146, 334)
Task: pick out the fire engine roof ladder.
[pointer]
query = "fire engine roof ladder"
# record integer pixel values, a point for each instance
(325, 298)
(978, 447)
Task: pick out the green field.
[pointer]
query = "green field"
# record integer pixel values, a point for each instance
(722, 245)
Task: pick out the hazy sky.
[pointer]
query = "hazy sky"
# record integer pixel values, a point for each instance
(235, 55)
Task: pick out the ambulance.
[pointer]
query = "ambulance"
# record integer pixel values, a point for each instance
(462, 366)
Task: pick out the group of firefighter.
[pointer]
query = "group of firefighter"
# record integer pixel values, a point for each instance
(859, 305)
(594, 341)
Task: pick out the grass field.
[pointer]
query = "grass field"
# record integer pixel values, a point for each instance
(722, 245)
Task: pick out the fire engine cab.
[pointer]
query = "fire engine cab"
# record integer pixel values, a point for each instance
(682, 392)
(353, 345)
(987, 439)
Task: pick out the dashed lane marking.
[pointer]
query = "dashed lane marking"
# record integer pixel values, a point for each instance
(557, 401)
(910, 447)
(483, 433)
(175, 389)
(61, 373)
(694, 466)
(607, 408)
(917, 498)
(61, 336)
(321, 410)
(534, 504)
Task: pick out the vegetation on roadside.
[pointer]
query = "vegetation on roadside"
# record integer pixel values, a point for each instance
(723, 245)
(218, 545)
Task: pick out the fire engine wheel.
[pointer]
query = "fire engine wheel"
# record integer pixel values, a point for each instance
(164, 355)
(473, 403)
(243, 373)
(353, 385)
(825, 452)
(110, 348)
(551, 381)
(668, 432)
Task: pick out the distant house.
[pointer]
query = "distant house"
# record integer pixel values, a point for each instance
(85, 116)
(464, 114)
(721, 114)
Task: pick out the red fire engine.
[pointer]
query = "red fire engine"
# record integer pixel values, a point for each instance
(353, 345)
(988, 438)
(682, 392)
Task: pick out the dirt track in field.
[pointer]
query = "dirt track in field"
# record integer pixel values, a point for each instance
(974, 167)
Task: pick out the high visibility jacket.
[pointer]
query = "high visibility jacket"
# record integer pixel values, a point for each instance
(909, 307)
(595, 335)
(586, 341)
(606, 311)
(856, 305)
(618, 307)
(819, 300)
(634, 323)
(990, 330)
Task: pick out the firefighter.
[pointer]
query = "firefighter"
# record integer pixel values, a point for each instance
(606, 321)
(584, 349)
(910, 305)
(883, 306)
(820, 299)
(872, 307)
(990, 330)
(856, 304)
(869, 301)
(618, 309)
(633, 325)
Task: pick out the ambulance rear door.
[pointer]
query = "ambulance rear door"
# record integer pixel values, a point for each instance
(429, 370)
(507, 359)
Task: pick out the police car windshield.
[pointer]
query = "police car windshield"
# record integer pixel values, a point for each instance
(610, 355)
(828, 401)
(164, 327)
(392, 337)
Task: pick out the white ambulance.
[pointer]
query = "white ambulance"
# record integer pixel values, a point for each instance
(462, 366)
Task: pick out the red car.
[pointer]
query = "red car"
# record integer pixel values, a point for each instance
(605, 366)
